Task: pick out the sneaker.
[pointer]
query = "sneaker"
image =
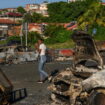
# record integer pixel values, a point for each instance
(45, 79)
(39, 81)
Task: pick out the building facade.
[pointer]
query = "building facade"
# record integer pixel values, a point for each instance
(5, 26)
(14, 16)
(71, 1)
(38, 8)
(43, 9)
(30, 7)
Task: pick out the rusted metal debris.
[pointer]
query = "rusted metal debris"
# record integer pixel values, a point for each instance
(85, 49)
(6, 88)
(80, 84)
(8, 95)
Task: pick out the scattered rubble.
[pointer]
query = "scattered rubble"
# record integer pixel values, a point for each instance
(64, 58)
(81, 84)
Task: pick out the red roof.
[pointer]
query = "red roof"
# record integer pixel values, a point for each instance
(33, 25)
(72, 27)
(103, 3)
(14, 14)
(6, 21)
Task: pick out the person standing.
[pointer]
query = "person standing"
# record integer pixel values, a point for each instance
(42, 61)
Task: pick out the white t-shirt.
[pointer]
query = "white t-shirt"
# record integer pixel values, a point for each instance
(42, 47)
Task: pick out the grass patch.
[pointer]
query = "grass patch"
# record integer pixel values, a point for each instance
(67, 44)
(3, 42)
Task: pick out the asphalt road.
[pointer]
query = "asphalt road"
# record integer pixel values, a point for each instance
(26, 75)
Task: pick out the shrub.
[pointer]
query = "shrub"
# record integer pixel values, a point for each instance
(33, 37)
(11, 38)
(100, 34)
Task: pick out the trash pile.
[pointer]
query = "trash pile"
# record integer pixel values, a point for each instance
(84, 82)
(63, 58)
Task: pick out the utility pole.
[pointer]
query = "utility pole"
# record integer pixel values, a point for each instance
(67, 1)
(25, 28)
(71, 1)
(21, 35)
(26, 34)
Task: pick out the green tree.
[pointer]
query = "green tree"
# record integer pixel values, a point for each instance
(21, 10)
(27, 18)
(34, 18)
(37, 17)
(55, 11)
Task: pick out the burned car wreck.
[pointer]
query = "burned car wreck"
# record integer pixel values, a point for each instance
(16, 54)
(84, 82)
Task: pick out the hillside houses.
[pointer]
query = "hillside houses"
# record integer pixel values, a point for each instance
(14, 16)
(5, 25)
(32, 27)
(11, 28)
(10, 19)
(13, 12)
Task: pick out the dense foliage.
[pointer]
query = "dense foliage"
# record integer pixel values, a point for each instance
(100, 35)
(32, 38)
(61, 12)
(34, 18)
(56, 34)
(94, 15)
(65, 12)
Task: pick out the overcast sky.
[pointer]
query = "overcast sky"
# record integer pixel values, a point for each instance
(16, 3)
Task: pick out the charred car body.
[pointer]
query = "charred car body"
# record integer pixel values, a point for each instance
(84, 82)
(16, 54)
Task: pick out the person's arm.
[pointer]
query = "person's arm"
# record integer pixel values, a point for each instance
(39, 50)
(36, 46)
